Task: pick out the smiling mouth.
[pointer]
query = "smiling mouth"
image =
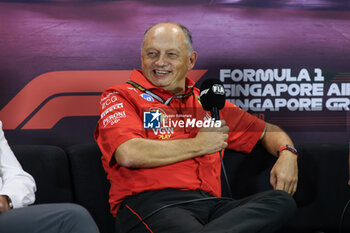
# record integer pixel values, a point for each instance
(161, 72)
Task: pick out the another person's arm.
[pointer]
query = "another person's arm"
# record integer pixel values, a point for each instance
(284, 174)
(15, 184)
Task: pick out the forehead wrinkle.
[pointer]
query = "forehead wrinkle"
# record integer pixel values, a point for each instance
(166, 35)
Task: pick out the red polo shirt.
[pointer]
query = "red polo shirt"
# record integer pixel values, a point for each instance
(126, 110)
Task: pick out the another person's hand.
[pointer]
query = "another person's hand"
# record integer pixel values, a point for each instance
(4, 205)
(284, 174)
(213, 139)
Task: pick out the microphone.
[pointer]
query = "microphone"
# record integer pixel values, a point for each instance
(212, 96)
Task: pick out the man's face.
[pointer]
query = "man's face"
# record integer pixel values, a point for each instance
(165, 57)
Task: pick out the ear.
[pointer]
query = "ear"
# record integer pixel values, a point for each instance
(192, 60)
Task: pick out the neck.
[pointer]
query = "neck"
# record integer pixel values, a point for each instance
(178, 91)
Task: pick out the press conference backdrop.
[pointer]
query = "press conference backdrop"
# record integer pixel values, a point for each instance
(288, 63)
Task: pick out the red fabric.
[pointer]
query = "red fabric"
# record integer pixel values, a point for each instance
(122, 108)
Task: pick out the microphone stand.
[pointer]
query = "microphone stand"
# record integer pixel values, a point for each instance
(215, 114)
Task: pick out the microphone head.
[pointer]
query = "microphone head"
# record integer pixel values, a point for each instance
(212, 94)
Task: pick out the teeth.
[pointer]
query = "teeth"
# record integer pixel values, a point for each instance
(161, 72)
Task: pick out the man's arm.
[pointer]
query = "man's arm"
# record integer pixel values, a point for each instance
(284, 174)
(4, 203)
(147, 153)
(17, 185)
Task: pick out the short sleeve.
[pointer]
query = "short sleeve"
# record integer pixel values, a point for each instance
(245, 129)
(119, 122)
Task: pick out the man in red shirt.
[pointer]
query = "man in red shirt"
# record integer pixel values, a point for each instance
(164, 166)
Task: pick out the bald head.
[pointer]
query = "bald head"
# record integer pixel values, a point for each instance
(170, 27)
(167, 56)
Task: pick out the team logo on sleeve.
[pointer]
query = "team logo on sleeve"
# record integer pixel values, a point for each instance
(105, 102)
(111, 109)
(151, 119)
(147, 97)
(113, 118)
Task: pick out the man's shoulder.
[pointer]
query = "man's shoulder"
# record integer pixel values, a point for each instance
(123, 89)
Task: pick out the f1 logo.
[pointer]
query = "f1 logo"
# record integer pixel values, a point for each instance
(151, 119)
(52, 96)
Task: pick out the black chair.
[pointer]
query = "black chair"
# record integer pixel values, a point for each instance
(90, 184)
(49, 166)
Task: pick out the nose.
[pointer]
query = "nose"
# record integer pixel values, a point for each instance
(161, 61)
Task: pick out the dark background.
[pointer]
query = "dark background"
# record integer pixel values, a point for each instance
(37, 37)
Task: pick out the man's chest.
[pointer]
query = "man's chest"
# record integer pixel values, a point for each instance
(180, 118)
